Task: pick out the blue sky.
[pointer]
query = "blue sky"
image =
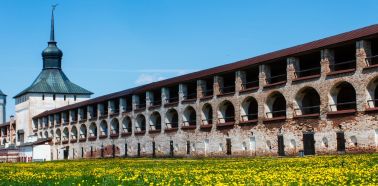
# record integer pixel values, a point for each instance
(114, 45)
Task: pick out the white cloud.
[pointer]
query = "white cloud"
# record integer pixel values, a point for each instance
(148, 78)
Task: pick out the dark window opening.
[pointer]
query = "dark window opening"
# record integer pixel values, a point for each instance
(251, 109)
(129, 103)
(346, 97)
(75, 97)
(74, 115)
(310, 102)
(277, 72)
(309, 65)
(172, 119)
(191, 90)
(251, 78)
(373, 58)
(142, 101)
(64, 97)
(94, 111)
(209, 87)
(116, 106)
(173, 96)
(156, 97)
(208, 114)
(375, 99)
(43, 97)
(278, 106)
(228, 112)
(105, 109)
(156, 121)
(228, 83)
(142, 123)
(85, 113)
(190, 115)
(344, 58)
(54, 96)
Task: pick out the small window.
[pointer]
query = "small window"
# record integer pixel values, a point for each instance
(64, 97)
(54, 96)
(74, 97)
(43, 97)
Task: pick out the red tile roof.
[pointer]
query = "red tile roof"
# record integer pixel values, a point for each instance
(328, 42)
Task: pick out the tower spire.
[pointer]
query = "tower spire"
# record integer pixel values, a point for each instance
(52, 33)
(52, 56)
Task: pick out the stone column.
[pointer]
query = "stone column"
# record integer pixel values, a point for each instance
(164, 95)
(363, 50)
(201, 87)
(240, 78)
(149, 98)
(135, 101)
(263, 73)
(218, 83)
(327, 59)
(292, 67)
(182, 92)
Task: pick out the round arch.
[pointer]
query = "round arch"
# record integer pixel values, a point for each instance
(275, 105)
(207, 114)
(155, 121)
(189, 116)
(249, 109)
(126, 125)
(171, 118)
(226, 112)
(342, 96)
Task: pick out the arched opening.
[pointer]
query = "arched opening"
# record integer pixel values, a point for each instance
(207, 114)
(155, 121)
(308, 102)
(46, 135)
(58, 135)
(65, 134)
(226, 112)
(275, 105)
(372, 93)
(140, 123)
(189, 117)
(114, 127)
(343, 97)
(126, 125)
(51, 135)
(93, 130)
(103, 129)
(83, 132)
(249, 109)
(73, 133)
(171, 119)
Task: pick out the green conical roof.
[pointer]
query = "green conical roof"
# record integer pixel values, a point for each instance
(53, 81)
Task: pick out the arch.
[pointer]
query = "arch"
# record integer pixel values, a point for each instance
(189, 116)
(249, 109)
(226, 112)
(155, 121)
(171, 118)
(73, 133)
(46, 135)
(207, 114)
(58, 135)
(372, 93)
(51, 135)
(307, 101)
(83, 131)
(275, 105)
(93, 130)
(140, 123)
(103, 128)
(66, 134)
(342, 97)
(114, 126)
(126, 125)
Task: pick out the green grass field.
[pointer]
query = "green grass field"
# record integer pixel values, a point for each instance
(330, 170)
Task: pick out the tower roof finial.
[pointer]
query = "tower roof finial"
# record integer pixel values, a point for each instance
(52, 34)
